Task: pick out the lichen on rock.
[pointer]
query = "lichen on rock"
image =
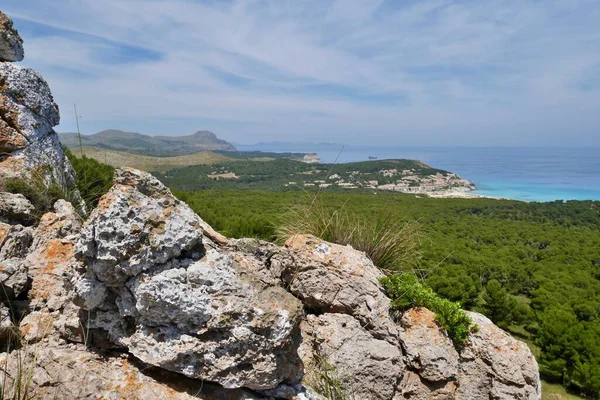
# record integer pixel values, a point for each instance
(158, 287)
(11, 44)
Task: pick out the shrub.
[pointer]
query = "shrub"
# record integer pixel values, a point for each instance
(390, 242)
(93, 178)
(41, 192)
(405, 291)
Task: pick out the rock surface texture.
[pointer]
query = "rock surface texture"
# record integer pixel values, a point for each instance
(145, 300)
(11, 44)
(28, 144)
(165, 292)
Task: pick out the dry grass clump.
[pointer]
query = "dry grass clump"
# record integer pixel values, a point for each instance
(324, 379)
(391, 242)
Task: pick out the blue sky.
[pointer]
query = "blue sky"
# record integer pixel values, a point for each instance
(428, 72)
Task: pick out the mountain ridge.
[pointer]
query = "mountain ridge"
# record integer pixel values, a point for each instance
(139, 143)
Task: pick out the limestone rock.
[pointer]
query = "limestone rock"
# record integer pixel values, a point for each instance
(138, 224)
(11, 44)
(368, 368)
(6, 324)
(75, 373)
(158, 287)
(50, 256)
(15, 208)
(336, 279)
(415, 387)
(15, 241)
(13, 278)
(428, 349)
(495, 365)
(46, 268)
(28, 143)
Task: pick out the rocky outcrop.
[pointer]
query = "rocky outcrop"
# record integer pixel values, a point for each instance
(11, 44)
(73, 372)
(158, 287)
(28, 144)
(368, 368)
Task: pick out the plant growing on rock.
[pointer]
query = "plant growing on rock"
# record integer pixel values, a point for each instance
(41, 190)
(390, 242)
(93, 178)
(405, 291)
(325, 380)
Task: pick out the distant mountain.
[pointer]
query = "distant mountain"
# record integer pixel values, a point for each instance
(148, 145)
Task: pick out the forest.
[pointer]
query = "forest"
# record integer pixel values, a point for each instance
(285, 174)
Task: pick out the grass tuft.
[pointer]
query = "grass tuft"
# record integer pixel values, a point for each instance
(390, 242)
(325, 380)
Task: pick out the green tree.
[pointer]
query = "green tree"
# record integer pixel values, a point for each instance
(498, 304)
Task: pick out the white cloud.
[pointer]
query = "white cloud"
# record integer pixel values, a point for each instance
(468, 72)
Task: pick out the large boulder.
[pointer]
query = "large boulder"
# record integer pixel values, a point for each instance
(157, 286)
(11, 44)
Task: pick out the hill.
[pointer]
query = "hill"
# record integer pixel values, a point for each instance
(149, 163)
(283, 174)
(138, 143)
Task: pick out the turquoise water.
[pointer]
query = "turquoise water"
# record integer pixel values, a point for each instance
(522, 173)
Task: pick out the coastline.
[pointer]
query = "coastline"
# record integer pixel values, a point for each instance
(458, 194)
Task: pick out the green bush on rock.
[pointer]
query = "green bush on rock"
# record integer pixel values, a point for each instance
(405, 291)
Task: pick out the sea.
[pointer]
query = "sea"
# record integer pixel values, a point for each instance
(521, 173)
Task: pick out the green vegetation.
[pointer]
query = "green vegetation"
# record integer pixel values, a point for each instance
(534, 268)
(41, 193)
(93, 178)
(391, 243)
(407, 291)
(289, 175)
(325, 380)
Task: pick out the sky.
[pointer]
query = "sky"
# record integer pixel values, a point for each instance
(420, 72)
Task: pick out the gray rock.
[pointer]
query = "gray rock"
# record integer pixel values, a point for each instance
(158, 287)
(427, 348)
(15, 241)
(72, 372)
(11, 44)
(27, 115)
(13, 278)
(6, 324)
(336, 279)
(138, 224)
(47, 266)
(366, 367)
(495, 365)
(415, 387)
(15, 208)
